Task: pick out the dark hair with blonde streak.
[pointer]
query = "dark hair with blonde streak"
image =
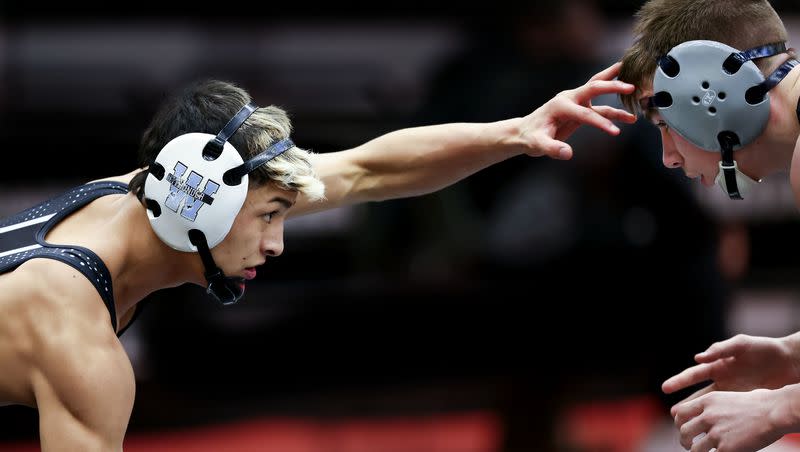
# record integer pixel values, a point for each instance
(206, 106)
(662, 24)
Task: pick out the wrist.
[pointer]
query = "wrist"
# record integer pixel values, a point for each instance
(510, 140)
(792, 344)
(785, 416)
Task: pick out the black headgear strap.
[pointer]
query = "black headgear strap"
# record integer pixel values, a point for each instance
(729, 140)
(214, 147)
(223, 288)
(228, 290)
(234, 175)
(732, 65)
(756, 94)
(737, 60)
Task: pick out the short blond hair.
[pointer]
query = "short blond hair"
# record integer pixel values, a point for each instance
(660, 25)
(291, 170)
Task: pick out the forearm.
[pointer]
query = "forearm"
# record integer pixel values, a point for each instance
(420, 160)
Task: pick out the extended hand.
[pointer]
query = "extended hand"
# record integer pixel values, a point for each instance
(741, 363)
(543, 132)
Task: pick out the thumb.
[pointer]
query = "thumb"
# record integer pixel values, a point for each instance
(554, 149)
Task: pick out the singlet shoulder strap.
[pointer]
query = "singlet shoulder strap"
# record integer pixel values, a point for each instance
(22, 237)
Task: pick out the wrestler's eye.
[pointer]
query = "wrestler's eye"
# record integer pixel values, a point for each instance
(268, 216)
(662, 125)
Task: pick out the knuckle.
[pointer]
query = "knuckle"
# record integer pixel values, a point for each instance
(595, 84)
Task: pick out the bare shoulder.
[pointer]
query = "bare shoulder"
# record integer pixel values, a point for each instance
(43, 305)
(65, 314)
(42, 298)
(51, 286)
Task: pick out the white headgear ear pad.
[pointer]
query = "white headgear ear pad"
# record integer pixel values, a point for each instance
(192, 195)
(706, 100)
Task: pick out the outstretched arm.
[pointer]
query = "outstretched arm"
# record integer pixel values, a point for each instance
(420, 160)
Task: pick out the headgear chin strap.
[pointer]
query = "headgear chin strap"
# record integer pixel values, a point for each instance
(225, 289)
(194, 190)
(715, 97)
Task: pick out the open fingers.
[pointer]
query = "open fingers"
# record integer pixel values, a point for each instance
(724, 349)
(614, 114)
(699, 393)
(691, 376)
(588, 116)
(594, 88)
(608, 73)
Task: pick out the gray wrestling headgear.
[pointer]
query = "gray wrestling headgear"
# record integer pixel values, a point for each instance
(715, 97)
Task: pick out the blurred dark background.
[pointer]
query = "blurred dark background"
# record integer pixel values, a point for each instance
(530, 294)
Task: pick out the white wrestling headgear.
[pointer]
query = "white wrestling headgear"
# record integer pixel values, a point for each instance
(196, 187)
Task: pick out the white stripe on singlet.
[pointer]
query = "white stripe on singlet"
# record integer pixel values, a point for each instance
(19, 250)
(25, 224)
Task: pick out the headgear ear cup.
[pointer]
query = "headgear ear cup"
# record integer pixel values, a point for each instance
(706, 99)
(192, 194)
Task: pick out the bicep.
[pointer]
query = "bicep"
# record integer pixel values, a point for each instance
(85, 400)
